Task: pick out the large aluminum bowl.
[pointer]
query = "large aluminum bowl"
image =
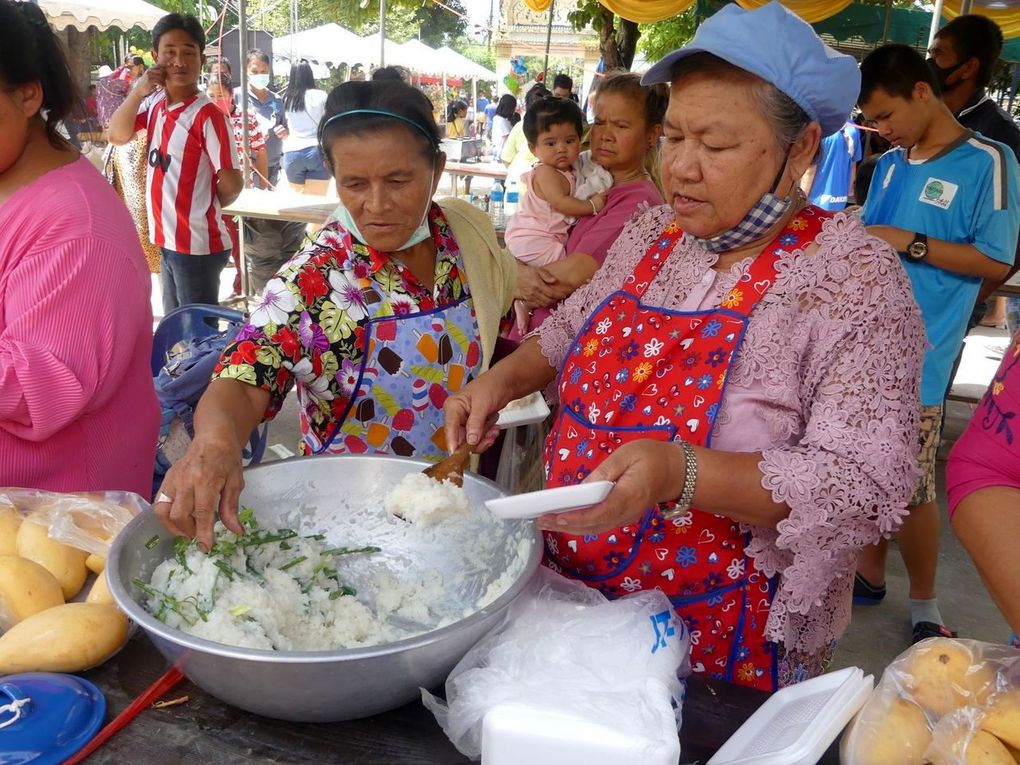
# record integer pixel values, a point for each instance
(322, 686)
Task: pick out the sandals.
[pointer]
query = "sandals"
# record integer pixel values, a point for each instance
(865, 593)
(925, 630)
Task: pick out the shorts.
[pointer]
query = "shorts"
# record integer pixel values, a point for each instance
(929, 437)
(305, 165)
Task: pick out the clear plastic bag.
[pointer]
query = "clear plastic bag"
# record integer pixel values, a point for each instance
(945, 702)
(87, 521)
(565, 648)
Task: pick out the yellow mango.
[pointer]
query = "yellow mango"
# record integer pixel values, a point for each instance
(68, 638)
(66, 563)
(899, 737)
(100, 592)
(9, 523)
(26, 588)
(1002, 718)
(942, 675)
(986, 749)
(95, 563)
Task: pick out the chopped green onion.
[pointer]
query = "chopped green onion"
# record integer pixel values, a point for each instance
(316, 537)
(181, 545)
(294, 562)
(223, 566)
(344, 590)
(284, 545)
(269, 538)
(239, 610)
(152, 542)
(352, 550)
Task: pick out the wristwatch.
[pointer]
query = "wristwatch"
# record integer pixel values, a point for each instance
(917, 250)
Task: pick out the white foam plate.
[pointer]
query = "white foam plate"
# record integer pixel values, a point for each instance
(524, 411)
(559, 500)
(796, 725)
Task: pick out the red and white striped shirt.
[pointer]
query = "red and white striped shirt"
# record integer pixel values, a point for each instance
(188, 143)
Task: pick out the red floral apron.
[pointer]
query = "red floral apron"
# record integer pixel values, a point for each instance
(637, 371)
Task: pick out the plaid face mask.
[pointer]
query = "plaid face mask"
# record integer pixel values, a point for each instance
(758, 221)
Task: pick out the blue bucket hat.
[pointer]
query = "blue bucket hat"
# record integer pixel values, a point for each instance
(781, 48)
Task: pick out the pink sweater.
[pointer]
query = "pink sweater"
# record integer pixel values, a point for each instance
(78, 411)
(825, 386)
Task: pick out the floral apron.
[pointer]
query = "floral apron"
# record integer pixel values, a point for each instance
(411, 363)
(637, 371)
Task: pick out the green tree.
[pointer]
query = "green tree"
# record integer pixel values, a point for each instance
(440, 26)
(664, 36)
(618, 37)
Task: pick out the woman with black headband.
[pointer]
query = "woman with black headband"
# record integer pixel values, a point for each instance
(393, 307)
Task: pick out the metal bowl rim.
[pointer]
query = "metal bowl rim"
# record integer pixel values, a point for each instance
(137, 612)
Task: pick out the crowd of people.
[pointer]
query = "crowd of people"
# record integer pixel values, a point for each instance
(752, 344)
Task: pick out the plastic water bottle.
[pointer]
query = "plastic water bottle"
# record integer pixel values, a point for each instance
(512, 199)
(496, 214)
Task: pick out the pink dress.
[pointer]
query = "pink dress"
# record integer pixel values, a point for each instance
(988, 452)
(78, 411)
(825, 386)
(537, 234)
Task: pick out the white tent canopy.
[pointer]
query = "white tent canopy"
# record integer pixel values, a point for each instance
(329, 44)
(457, 64)
(102, 14)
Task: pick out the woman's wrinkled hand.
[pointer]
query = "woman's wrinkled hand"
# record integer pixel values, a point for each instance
(646, 472)
(471, 413)
(538, 288)
(206, 480)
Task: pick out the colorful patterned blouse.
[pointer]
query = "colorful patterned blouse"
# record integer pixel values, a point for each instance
(309, 324)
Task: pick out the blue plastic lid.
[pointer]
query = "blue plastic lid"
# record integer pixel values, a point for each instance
(46, 717)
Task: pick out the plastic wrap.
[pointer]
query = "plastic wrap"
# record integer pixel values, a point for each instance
(566, 648)
(944, 702)
(87, 521)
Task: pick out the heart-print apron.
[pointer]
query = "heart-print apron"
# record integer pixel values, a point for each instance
(638, 371)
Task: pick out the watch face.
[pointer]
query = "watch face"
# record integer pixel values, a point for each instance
(917, 250)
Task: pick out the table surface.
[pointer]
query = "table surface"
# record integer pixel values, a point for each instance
(204, 730)
(282, 205)
(480, 169)
(1011, 288)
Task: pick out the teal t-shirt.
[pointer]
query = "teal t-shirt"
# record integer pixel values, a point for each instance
(966, 194)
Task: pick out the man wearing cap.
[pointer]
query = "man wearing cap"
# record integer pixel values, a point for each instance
(946, 199)
(744, 368)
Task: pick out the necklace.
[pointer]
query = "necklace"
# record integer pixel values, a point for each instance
(635, 176)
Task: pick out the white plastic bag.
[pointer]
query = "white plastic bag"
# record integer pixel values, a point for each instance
(566, 648)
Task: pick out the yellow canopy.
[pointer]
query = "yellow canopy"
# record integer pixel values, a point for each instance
(1008, 19)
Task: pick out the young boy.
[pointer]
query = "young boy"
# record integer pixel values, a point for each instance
(946, 199)
(193, 168)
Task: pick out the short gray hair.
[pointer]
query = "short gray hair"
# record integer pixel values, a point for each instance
(784, 115)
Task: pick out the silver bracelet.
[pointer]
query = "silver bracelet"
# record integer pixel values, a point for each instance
(594, 209)
(683, 503)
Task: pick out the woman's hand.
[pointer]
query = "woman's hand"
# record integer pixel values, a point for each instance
(472, 411)
(538, 288)
(646, 472)
(205, 480)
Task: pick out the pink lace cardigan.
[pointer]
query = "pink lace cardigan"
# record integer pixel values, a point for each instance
(826, 385)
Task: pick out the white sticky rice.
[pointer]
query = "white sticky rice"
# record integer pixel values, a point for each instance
(424, 501)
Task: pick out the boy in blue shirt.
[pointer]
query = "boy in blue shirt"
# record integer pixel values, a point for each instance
(946, 199)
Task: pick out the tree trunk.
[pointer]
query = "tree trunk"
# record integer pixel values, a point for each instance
(618, 45)
(78, 58)
(627, 39)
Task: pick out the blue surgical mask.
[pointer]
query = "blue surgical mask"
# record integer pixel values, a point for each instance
(768, 211)
(259, 81)
(343, 216)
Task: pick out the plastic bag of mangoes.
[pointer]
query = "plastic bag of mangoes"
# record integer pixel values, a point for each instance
(942, 702)
(51, 546)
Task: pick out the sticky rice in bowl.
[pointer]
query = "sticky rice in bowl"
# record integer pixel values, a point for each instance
(410, 610)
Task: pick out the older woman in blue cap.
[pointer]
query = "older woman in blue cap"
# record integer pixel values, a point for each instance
(748, 375)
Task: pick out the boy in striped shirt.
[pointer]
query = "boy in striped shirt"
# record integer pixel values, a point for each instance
(193, 168)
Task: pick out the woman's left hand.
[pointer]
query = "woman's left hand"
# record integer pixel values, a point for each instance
(646, 472)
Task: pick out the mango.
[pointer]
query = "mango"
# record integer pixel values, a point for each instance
(66, 563)
(26, 588)
(68, 638)
(942, 675)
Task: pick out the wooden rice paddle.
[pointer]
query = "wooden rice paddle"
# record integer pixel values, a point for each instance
(451, 468)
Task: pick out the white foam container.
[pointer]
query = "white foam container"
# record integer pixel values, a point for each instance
(532, 504)
(798, 723)
(534, 410)
(515, 733)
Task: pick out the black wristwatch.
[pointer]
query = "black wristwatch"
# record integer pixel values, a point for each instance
(917, 250)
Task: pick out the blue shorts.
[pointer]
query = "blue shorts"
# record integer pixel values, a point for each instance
(305, 165)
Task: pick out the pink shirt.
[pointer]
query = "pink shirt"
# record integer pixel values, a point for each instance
(536, 234)
(825, 385)
(78, 411)
(988, 452)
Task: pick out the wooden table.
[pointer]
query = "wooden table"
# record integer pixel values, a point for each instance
(457, 170)
(281, 205)
(205, 731)
(1011, 288)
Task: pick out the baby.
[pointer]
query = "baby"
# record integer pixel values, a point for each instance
(537, 233)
